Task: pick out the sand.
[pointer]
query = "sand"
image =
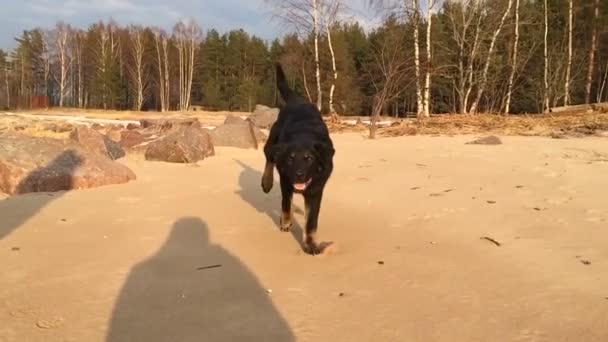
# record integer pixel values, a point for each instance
(193, 253)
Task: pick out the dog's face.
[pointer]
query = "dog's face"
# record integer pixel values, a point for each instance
(301, 163)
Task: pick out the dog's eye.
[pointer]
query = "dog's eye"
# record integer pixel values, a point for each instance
(307, 157)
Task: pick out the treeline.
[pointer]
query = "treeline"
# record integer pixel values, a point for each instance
(463, 56)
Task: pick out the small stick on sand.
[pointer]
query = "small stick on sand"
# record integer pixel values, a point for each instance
(491, 240)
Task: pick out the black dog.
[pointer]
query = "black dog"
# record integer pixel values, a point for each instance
(302, 151)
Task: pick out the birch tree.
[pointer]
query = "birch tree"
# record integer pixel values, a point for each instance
(426, 100)
(61, 39)
(187, 38)
(161, 41)
(304, 16)
(331, 11)
(484, 75)
(546, 60)
(136, 68)
(513, 59)
(569, 63)
(416, 22)
(592, 51)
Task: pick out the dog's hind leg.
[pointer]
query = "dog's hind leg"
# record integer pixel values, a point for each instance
(313, 207)
(287, 197)
(268, 176)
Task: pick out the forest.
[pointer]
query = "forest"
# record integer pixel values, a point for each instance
(430, 57)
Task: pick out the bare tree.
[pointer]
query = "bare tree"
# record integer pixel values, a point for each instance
(61, 38)
(484, 75)
(162, 56)
(78, 52)
(387, 74)
(136, 68)
(187, 37)
(426, 100)
(546, 62)
(513, 59)
(569, 65)
(304, 16)
(602, 86)
(416, 22)
(331, 11)
(592, 51)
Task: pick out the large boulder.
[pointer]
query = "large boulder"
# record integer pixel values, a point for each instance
(97, 142)
(264, 117)
(29, 164)
(187, 144)
(237, 134)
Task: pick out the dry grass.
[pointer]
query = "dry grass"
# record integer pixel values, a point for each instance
(566, 124)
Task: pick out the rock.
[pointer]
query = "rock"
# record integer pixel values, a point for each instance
(167, 124)
(132, 126)
(489, 140)
(235, 120)
(237, 135)
(97, 142)
(130, 139)
(182, 145)
(29, 164)
(114, 134)
(264, 117)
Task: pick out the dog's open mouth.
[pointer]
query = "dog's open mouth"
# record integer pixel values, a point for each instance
(302, 186)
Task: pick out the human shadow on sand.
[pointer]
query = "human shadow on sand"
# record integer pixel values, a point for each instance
(56, 176)
(193, 290)
(251, 192)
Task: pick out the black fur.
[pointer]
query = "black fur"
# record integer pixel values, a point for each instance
(302, 151)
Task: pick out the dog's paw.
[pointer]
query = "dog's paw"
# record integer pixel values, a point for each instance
(312, 248)
(286, 226)
(267, 184)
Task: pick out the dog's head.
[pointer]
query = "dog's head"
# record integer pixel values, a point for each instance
(302, 163)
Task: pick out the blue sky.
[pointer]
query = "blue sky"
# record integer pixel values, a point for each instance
(224, 15)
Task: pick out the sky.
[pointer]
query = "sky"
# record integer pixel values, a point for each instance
(251, 15)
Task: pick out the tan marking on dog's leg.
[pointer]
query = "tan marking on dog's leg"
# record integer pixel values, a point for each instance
(286, 222)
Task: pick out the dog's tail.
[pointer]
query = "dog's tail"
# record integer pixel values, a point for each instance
(287, 94)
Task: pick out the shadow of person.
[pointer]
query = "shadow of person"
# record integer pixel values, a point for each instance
(56, 176)
(191, 290)
(251, 192)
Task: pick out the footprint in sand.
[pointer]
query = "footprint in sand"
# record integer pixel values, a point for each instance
(594, 215)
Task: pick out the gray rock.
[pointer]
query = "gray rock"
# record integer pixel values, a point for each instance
(187, 144)
(29, 164)
(264, 117)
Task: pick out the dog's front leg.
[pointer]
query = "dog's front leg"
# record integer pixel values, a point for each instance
(268, 176)
(313, 206)
(287, 197)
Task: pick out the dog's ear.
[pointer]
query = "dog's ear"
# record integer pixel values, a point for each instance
(325, 150)
(278, 151)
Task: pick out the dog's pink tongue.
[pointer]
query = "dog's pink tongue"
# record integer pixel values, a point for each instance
(300, 186)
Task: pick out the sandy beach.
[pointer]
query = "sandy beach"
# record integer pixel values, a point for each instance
(432, 240)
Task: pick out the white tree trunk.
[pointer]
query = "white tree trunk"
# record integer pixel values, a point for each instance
(513, 60)
(600, 93)
(484, 75)
(569, 63)
(315, 30)
(592, 51)
(61, 41)
(137, 69)
(426, 100)
(546, 64)
(8, 89)
(161, 83)
(417, 58)
(332, 110)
